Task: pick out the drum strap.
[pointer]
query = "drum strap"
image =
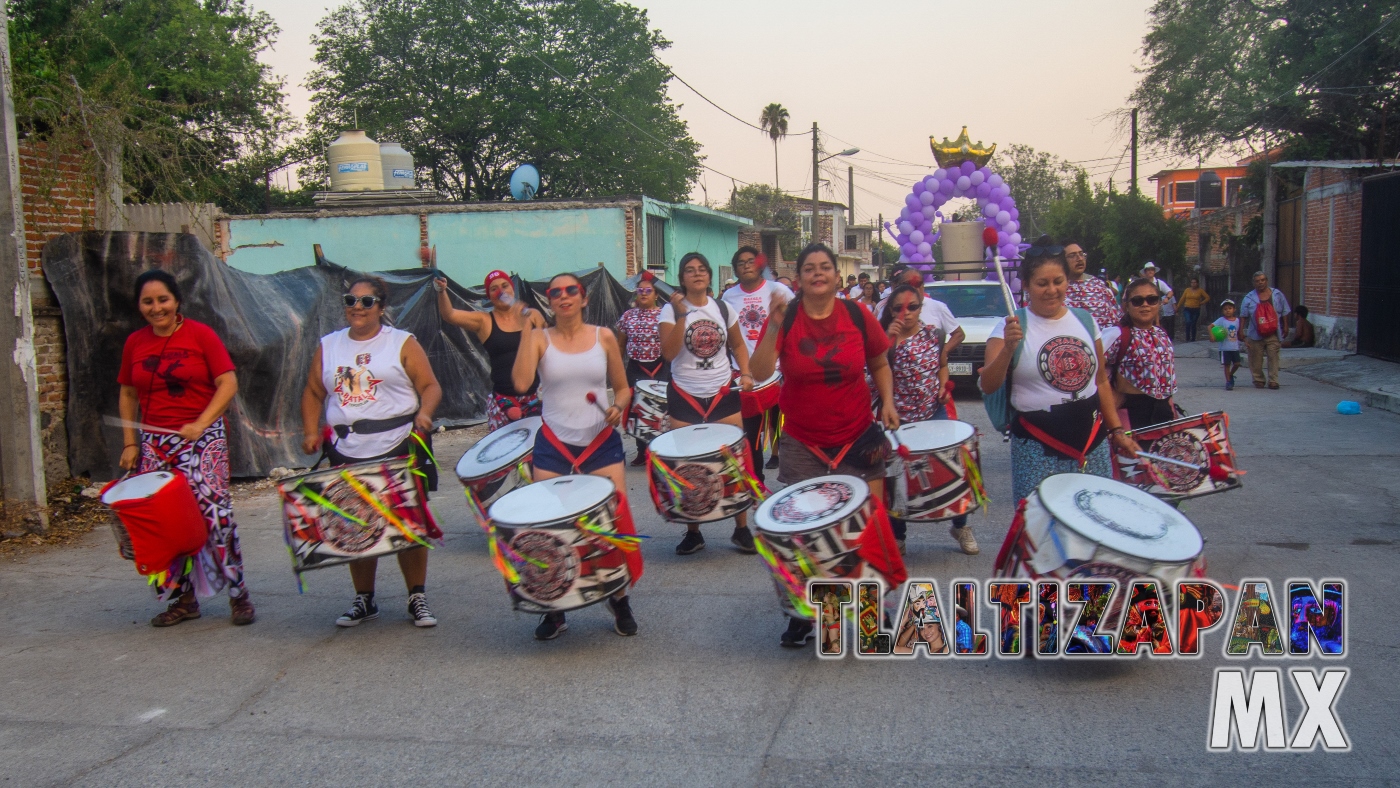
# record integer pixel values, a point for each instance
(704, 412)
(1079, 456)
(831, 463)
(652, 372)
(575, 462)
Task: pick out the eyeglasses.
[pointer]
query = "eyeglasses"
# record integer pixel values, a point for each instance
(1077, 255)
(645, 291)
(900, 309)
(365, 302)
(1043, 251)
(1149, 300)
(559, 292)
(746, 261)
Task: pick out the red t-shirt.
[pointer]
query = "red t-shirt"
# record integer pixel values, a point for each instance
(174, 375)
(824, 399)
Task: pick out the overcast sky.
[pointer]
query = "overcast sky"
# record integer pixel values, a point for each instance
(881, 75)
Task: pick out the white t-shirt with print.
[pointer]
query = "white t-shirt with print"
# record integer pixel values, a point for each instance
(1058, 362)
(751, 309)
(701, 367)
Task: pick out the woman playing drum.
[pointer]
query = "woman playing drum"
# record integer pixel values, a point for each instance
(498, 331)
(1059, 384)
(1141, 359)
(825, 347)
(375, 387)
(920, 380)
(637, 330)
(177, 377)
(576, 363)
(696, 332)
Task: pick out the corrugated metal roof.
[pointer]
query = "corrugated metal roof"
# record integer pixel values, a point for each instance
(1340, 164)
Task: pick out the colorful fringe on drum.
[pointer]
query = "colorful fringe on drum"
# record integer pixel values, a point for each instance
(974, 478)
(741, 468)
(502, 557)
(796, 589)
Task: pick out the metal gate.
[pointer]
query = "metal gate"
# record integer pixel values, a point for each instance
(1378, 291)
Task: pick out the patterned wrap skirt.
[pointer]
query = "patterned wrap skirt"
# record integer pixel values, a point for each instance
(1031, 463)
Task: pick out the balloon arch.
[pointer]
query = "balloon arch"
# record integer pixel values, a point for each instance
(963, 174)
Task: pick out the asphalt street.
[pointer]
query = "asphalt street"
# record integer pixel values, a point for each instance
(703, 695)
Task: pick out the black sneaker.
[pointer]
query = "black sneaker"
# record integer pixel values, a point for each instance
(624, 623)
(799, 631)
(418, 610)
(364, 609)
(772, 463)
(693, 542)
(743, 539)
(551, 626)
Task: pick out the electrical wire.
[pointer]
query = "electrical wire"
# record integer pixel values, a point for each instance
(712, 102)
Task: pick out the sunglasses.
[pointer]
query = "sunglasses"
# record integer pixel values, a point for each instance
(645, 291)
(900, 309)
(1148, 300)
(1043, 251)
(365, 302)
(560, 292)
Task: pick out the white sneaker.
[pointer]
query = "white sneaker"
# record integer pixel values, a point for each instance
(966, 540)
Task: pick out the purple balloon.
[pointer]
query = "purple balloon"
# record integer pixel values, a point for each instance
(977, 177)
(1003, 217)
(929, 211)
(1003, 238)
(1015, 284)
(925, 199)
(906, 227)
(989, 211)
(912, 201)
(919, 187)
(945, 186)
(1015, 238)
(939, 199)
(963, 183)
(1008, 250)
(984, 190)
(931, 183)
(916, 237)
(1015, 213)
(995, 180)
(925, 249)
(940, 174)
(1013, 226)
(907, 248)
(999, 192)
(968, 168)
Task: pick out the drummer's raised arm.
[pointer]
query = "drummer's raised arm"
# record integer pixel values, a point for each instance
(479, 323)
(527, 358)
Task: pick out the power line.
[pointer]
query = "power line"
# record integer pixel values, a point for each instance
(712, 103)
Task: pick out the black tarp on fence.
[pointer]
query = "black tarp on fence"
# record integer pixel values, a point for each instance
(270, 324)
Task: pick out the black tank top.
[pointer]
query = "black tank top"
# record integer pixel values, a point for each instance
(501, 347)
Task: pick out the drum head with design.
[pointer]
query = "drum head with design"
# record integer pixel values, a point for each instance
(1120, 517)
(552, 500)
(503, 448)
(929, 435)
(812, 504)
(696, 440)
(656, 389)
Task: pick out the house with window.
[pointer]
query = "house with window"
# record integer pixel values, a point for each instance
(1181, 191)
(851, 242)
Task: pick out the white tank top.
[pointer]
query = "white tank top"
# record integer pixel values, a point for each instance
(366, 380)
(565, 382)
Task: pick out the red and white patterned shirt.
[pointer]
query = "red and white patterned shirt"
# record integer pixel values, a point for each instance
(643, 336)
(914, 364)
(1149, 362)
(1094, 295)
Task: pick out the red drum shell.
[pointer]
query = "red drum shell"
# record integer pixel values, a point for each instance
(163, 526)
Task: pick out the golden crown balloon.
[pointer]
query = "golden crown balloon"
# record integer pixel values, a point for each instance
(951, 154)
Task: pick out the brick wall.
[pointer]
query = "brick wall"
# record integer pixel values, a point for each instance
(1218, 223)
(59, 197)
(1332, 205)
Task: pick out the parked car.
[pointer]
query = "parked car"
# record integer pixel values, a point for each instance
(977, 306)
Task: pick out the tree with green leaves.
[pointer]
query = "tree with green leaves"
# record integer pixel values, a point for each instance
(774, 121)
(167, 96)
(1036, 180)
(474, 88)
(768, 207)
(1120, 232)
(1319, 77)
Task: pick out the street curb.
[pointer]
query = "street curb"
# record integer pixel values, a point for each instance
(1380, 398)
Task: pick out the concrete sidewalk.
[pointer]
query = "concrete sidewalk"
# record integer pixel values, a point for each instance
(703, 695)
(1372, 382)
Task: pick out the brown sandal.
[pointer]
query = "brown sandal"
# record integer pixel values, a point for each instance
(243, 612)
(182, 609)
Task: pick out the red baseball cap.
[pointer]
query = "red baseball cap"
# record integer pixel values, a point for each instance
(493, 276)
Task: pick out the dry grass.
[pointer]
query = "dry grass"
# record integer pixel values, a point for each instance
(71, 516)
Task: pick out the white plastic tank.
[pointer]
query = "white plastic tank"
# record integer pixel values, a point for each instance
(354, 163)
(398, 166)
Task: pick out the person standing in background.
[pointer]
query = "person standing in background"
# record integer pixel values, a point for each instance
(1192, 299)
(1262, 311)
(1168, 318)
(749, 301)
(1088, 292)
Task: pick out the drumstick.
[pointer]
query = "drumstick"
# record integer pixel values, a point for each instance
(593, 398)
(1169, 460)
(113, 421)
(1001, 277)
(899, 447)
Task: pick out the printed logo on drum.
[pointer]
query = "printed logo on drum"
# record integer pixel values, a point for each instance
(1067, 364)
(356, 385)
(704, 340)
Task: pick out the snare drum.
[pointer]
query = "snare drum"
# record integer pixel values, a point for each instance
(364, 510)
(824, 527)
(560, 565)
(648, 417)
(941, 478)
(160, 517)
(763, 397)
(1077, 526)
(698, 473)
(1202, 441)
(500, 462)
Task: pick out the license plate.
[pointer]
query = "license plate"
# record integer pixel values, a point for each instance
(960, 369)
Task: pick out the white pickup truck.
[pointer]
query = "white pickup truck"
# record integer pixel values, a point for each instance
(978, 306)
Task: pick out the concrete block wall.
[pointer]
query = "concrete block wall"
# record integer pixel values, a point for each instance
(1218, 223)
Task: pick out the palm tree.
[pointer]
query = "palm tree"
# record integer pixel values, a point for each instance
(774, 121)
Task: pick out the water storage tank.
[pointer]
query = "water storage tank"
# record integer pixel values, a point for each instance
(354, 163)
(398, 166)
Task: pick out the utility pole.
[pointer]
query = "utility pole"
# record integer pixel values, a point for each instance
(851, 193)
(880, 228)
(21, 452)
(816, 181)
(1133, 189)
